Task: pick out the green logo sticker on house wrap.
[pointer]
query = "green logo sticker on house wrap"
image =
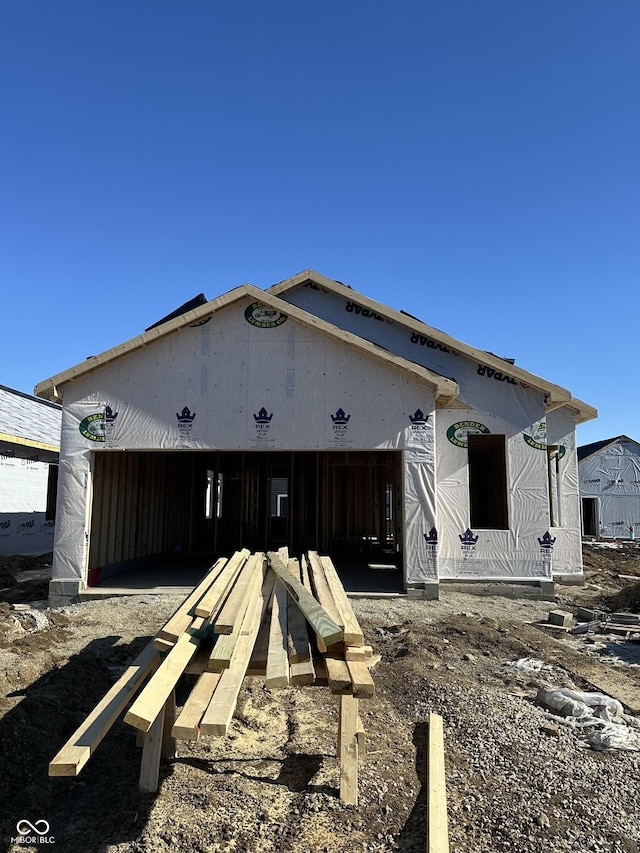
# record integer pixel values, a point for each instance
(263, 316)
(539, 445)
(457, 433)
(93, 427)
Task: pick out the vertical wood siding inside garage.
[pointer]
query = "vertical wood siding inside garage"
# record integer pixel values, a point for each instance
(141, 505)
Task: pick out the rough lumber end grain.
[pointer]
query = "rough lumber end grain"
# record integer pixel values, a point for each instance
(69, 761)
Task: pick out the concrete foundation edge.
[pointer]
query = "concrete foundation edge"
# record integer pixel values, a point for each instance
(62, 592)
(569, 580)
(425, 592)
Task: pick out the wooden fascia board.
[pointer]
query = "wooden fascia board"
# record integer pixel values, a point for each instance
(584, 412)
(29, 442)
(445, 388)
(554, 394)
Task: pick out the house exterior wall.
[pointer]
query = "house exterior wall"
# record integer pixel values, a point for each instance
(491, 401)
(29, 440)
(612, 477)
(24, 528)
(241, 383)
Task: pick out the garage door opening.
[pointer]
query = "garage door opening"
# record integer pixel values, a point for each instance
(188, 507)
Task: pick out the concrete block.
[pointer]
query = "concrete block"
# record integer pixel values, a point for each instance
(587, 614)
(561, 618)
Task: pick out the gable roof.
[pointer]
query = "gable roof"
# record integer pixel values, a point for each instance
(28, 424)
(445, 389)
(555, 395)
(589, 449)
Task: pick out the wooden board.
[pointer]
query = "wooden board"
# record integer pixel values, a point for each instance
(298, 640)
(178, 623)
(322, 588)
(187, 725)
(85, 740)
(220, 587)
(261, 647)
(151, 700)
(362, 683)
(199, 661)
(222, 653)
(353, 635)
(217, 717)
(314, 613)
(437, 826)
(303, 673)
(338, 674)
(235, 606)
(348, 750)
(278, 674)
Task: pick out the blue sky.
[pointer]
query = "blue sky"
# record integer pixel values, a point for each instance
(473, 162)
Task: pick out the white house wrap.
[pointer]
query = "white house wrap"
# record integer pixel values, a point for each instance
(387, 435)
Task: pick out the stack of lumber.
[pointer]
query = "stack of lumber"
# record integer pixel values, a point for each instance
(286, 620)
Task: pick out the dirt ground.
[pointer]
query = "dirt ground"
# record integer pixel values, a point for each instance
(517, 778)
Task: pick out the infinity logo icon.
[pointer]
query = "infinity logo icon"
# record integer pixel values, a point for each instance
(24, 827)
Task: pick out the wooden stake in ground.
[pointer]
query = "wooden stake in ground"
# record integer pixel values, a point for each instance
(151, 753)
(348, 749)
(437, 828)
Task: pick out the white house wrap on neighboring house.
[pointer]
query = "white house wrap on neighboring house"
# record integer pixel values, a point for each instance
(312, 416)
(609, 479)
(29, 448)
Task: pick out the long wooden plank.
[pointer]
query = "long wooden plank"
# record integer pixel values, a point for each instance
(314, 613)
(338, 674)
(353, 635)
(222, 652)
(305, 577)
(298, 641)
(348, 750)
(199, 661)
(278, 674)
(303, 672)
(187, 725)
(149, 702)
(84, 741)
(361, 680)
(260, 651)
(217, 717)
(437, 827)
(208, 602)
(235, 606)
(178, 623)
(322, 588)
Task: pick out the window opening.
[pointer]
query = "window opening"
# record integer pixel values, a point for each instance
(488, 481)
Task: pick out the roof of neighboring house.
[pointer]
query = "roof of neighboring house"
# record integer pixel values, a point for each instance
(589, 449)
(445, 389)
(555, 395)
(29, 425)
